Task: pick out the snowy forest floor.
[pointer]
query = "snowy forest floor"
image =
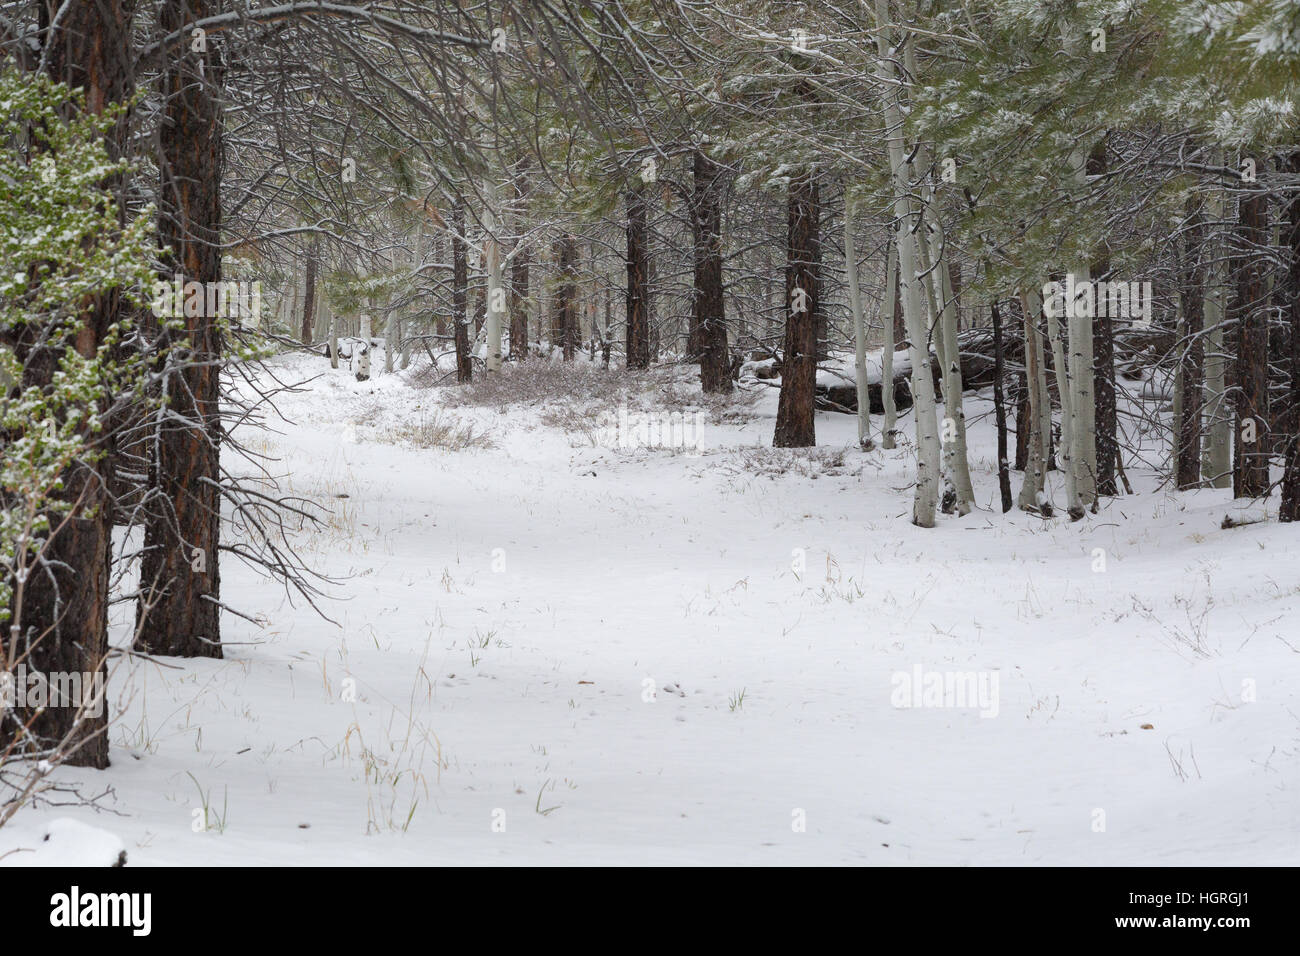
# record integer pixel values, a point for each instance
(504, 607)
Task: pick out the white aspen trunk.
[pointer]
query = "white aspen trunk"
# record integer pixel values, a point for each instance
(859, 330)
(1033, 496)
(390, 339)
(1083, 404)
(956, 463)
(363, 361)
(915, 314)
(1217, 456)
(1060, 361)
(1084, 378)
(331, 326)
(293, 298)
(887, 349)
(496, 293)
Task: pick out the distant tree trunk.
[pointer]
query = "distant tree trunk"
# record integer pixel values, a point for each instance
(178, 611)
(795, 421)
(1290, 507)
(495, 293)
(1022, 420)
(440, 320)
(1216, 463)
(707, 300)
(519, 303)
(859, 329)
(1064, 368)
(1250, 478)
(568, 296)
(891, 307)
(1187, 447)
(309, 299)
(1000, 411)
(1103, 384)
(1023, 411)
(1033, 491)
(460, 295)
(638, 274)
(363, 360)
(1083, 375)
(391, 338)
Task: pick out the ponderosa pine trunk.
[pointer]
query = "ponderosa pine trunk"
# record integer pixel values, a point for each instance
(1250, 476)
(460, 295)
(178, 611)
(795, 415)
(309, 300)
(709, 318)
(64, 616)
(638, 276)
(519, 302)
(1105, 419)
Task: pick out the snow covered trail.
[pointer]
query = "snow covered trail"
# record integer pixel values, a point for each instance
(543, 645)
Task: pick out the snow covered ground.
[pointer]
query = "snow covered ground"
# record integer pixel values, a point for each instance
(548, 651)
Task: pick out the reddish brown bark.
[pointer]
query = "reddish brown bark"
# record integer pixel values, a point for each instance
(795, 421)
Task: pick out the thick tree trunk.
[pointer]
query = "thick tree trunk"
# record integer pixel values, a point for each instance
(638, 276)
(709, 319)
(62, 627)
(178, 611)
(795, 421)
(460, 295)
(1250, 477)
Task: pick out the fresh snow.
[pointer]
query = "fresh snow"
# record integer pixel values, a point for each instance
(505, 613)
